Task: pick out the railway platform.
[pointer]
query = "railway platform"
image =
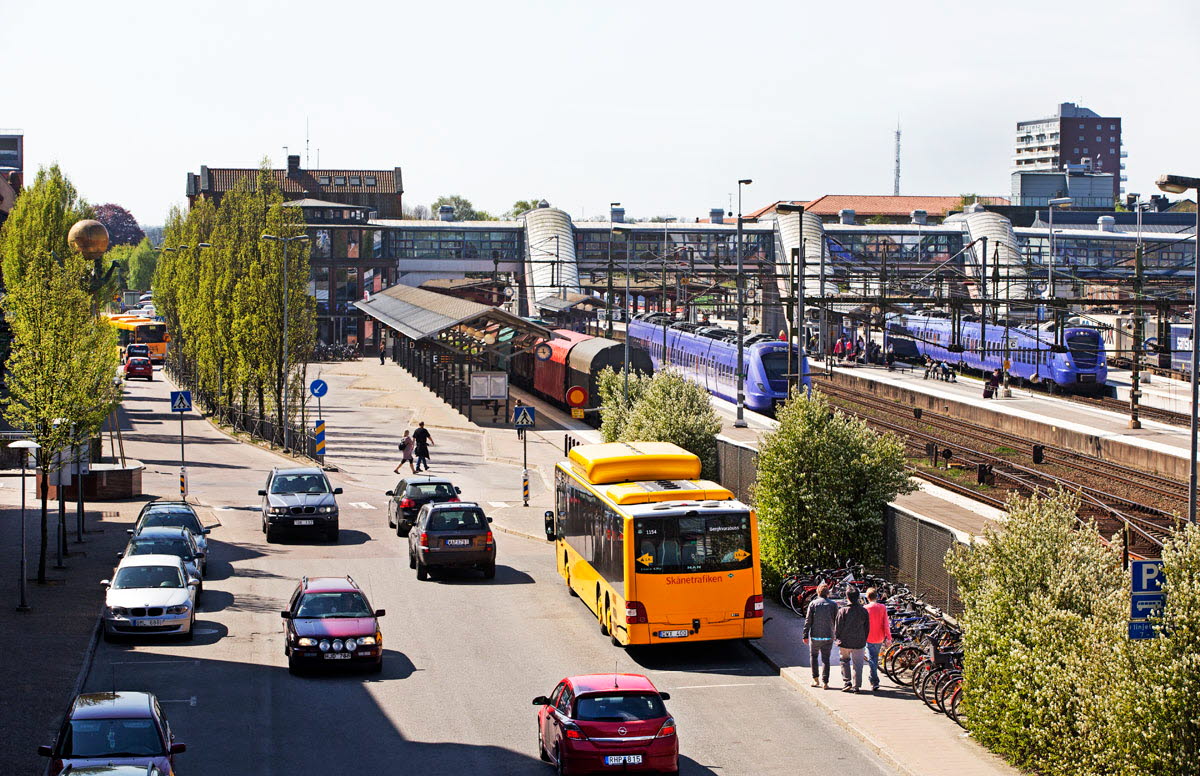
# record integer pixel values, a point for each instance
(1103, 433)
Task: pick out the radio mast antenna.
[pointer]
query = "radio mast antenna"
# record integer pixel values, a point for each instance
(896, 181)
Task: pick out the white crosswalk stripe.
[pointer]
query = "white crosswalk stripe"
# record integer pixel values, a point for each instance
(361, 505)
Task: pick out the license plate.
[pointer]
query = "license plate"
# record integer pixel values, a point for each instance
(675, 634)
(303, 522)
(623, 759)
(150, 623)
(1085, 378)
(457, 542)
(337, 655)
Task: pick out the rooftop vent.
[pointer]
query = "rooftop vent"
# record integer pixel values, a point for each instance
(446, 213)
(717, 215)
(920, 217)
(1106, 223)
(618, 215)
(293, 165)
(543, 203)
(846, 216)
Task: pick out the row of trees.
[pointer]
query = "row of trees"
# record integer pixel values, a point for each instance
(224, 304)
(1053, 682)
(59, 376)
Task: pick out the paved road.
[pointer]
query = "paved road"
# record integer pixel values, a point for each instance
(463, 656)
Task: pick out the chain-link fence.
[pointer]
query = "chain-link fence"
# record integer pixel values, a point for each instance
(916, 555)
(737, 467)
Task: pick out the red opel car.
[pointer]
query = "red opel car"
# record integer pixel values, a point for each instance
(329, 622)
(139, 367)
(601, 723)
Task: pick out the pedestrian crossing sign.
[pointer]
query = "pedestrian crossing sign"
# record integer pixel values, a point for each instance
(523, 417)
(181, 401)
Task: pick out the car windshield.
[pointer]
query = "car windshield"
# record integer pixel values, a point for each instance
(323, 605)
(680, 545)
(455, 520)
(86, 738)
(160, 546)
(299, 483)
(186, 520)
(132, 577)
(619, 707)
(431, 490)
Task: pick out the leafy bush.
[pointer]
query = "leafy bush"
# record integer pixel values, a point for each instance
(824, 480)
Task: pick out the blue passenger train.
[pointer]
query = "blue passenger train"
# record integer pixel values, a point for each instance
(1082, 368)
(712, 363)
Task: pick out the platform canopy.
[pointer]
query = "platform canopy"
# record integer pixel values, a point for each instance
(458, 324)
(570, 300)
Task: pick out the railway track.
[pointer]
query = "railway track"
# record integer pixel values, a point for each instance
(1115, 496)
(1148, 413)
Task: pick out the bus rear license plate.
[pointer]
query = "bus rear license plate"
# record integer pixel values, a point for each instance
(675, 634)
(303, 522)
(623, 759)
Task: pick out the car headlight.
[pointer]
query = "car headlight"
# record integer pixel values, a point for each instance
(327, 510)
(350, 645)
(305, 641)
(324, 645)
(181, 609)
(366, 641)
(278, 510)
(338, 645)
(116, 611)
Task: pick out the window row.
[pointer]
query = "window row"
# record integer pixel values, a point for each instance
(340, 180)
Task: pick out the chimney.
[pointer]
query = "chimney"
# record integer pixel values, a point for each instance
(717, 215)
(446, 213)
(617, 215)
(293, 166)
(920, 217)
(1106, 223)
(846, 216)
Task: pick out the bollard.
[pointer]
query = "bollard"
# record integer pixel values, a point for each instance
(525, 485)
(183, 484)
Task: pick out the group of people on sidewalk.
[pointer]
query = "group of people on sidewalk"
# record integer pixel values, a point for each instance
(415, 446)
(859, 632)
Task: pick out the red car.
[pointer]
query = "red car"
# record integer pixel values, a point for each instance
(330, 623)
(601, 723)
(139, 367)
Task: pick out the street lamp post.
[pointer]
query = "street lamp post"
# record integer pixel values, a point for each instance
(285, 241)
(663, 307)
(25, 446)
(1051, 203)
(740, 421)
(609, 328)
(1177, 184)
(628, 315)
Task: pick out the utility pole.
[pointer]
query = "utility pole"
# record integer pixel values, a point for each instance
(1135, 373)
(609, 328)
(740, 421)
(983, 295)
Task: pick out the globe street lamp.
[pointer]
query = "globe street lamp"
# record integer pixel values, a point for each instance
(1178, 184)
(285, 241)
(25, 446)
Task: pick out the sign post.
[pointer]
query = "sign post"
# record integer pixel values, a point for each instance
(524, 418)
(319, 388)
(181, 402)
(1146, 597)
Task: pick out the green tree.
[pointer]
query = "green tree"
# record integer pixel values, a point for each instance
(137, 263)
(521, 206)
(38, 224)
(824, 480)
(463, 209)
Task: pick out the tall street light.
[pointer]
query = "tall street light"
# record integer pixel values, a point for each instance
(609, 328)
(662, 308)
(26, 446)
(740, 421)
(1052, 203)
(622, 230)
(285, 241)
(1178, 184)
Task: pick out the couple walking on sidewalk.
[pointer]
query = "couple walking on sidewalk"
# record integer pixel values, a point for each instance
(415, 446)
(858, 631)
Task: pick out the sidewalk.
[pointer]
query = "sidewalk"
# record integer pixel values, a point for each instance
(894, 722)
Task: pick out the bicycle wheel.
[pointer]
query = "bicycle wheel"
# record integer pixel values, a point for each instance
(905, 662)
(955, 710)
(946, 688)
(923, 667)
(928, 688)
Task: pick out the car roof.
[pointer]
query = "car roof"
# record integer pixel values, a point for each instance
(423, 479)
(299, 470)
(158, 531)
(590, 683)
(169, 506)
(329, 585)
(156, 559)
(453, 505)
(101, 705)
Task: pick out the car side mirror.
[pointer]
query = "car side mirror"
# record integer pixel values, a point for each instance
(120, 553)
(45, 750)
(206, 531)
(390, 493)
(458, 490)
(262, 493)
(105, 582)
(541, 700)
(666, 696)
(129, 531)
(285, 614)
(549, 525)
(198, 555)
(178, 748)
(337, 491)
(193, 582)
(491, 520)
(380, 612)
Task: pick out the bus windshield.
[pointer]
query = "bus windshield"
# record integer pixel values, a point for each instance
(149, 332)
(682, 545)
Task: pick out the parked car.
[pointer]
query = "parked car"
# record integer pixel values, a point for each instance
(175, 513)
(150, 595)
(454, 535)
(137, 350)
(139, 367)
(330, 622)
(169, 540)
(607, 722)
(414, 492)
(114, 729)
(299, 499)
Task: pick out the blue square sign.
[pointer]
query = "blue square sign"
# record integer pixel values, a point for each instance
(1147, 576)
(1143, 605)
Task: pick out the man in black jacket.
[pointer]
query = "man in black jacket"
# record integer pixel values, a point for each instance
(818, 633)
(850, 629)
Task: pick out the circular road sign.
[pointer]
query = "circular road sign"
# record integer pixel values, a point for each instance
(318, 388)
(543, 351)
(577, 396)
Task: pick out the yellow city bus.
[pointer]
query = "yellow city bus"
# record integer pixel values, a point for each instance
(657, 554)
(135, 329)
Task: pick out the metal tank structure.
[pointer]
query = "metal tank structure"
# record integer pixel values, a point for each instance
(1002, 249)
(550, 264)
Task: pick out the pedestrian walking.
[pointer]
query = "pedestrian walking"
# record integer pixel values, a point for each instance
(850, 629)
(407, 444)
(890, 357)
(382, 351)
(992, 384)
(782, 335)
(839, 348)
(423, 441)
(879, 632)
(818, 634)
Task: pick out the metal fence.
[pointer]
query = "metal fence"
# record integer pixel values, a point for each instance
(737, 467)
(916, 555)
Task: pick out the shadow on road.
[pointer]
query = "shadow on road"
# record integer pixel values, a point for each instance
(718, 657)
(505, 575)
(220, 600)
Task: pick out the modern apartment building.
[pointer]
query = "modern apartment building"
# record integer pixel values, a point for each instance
(12, 168)
(1075, 136)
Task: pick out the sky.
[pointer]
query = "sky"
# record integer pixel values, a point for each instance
(659, 105)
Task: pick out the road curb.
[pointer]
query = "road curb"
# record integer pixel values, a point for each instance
(522, 534)
(789, 676)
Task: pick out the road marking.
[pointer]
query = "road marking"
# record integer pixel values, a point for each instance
(361, 505)
(705, 686)
(189, 701)
(498, 504)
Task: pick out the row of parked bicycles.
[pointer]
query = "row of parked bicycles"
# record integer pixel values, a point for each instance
(926, 649)
(336, 352)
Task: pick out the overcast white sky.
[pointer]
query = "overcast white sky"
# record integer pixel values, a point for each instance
(659, 105)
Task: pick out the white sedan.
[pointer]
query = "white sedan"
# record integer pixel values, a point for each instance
(150, 594)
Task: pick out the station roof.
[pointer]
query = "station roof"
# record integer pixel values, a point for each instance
(569, 300)
(458, 324)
